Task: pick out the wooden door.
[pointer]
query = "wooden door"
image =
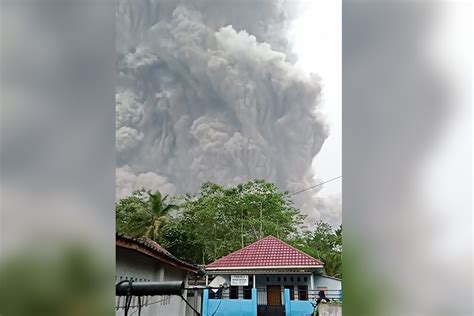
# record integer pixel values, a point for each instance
(273, 295)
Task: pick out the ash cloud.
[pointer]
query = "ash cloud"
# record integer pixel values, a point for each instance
(208, 91)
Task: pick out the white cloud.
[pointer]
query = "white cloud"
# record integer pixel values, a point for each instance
(127, 181)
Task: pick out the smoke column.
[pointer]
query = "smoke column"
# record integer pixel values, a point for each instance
(208, 91)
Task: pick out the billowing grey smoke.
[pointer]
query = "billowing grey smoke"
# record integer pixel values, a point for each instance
(208, 91)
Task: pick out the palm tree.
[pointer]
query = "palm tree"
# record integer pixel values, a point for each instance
(149, 220)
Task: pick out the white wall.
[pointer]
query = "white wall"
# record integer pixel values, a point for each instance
(330, 283)
(131, 264)
(194, 298)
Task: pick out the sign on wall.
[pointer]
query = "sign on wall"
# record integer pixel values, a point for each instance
(239, 280)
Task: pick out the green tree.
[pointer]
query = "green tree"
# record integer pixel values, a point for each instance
(143, 214)
(323, 243)
(219, 220)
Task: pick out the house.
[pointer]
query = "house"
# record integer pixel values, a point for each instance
(268, 277)
(142, 259)
(330, 285)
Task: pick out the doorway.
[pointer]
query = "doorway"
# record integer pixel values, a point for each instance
(273, 295)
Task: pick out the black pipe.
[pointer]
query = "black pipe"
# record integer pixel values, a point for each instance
(149, 288)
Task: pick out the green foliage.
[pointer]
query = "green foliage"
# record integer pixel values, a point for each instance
(180, 241)
(219, 220)
(325, 244)
(143, 214)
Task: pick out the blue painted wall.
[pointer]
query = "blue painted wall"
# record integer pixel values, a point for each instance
(297, 308)
(240, 307)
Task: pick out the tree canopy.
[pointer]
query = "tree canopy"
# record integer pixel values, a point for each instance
(143, 214)
(218, 220)
(324, 243)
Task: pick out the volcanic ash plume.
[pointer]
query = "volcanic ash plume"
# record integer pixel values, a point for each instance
(210, 92)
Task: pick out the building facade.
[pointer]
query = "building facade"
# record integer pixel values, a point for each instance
(144, 260)
(264, 272)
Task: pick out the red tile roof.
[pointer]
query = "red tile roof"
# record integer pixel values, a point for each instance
(267, 252)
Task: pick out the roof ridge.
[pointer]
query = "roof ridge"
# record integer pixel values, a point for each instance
(268, 243)
(239, 250)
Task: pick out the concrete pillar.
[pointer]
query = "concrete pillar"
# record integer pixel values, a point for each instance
(185, 295)
(312, 281)
(254, 282)
(207, 280)
(161, 274)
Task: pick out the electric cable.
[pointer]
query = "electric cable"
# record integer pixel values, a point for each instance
(314, 186)
(187, 303)
(217, 308)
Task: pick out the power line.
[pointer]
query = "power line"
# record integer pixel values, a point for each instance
(189, 304)
(314, 186)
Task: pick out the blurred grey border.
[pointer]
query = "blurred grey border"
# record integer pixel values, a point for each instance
(57, 157)
(401, 256)
(407, 225)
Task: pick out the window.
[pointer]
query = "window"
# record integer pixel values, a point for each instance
(234, 292)
(292, 279)
(247, 292)
(299, 279)
(248, 289)
(268, 279)
(302, 292)
(279, 279)
(305, 279)
(284, 279)
(292, 291)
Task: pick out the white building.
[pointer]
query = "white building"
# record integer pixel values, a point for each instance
(331, 285)
(144, 260)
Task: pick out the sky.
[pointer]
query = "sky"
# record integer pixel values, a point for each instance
(209, 91)
(450, 51)
(321, 23)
